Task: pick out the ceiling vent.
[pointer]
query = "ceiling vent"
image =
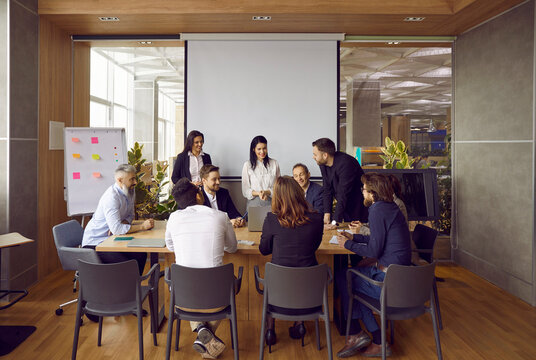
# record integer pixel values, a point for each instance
(108, 18)
(261, 18)
(414, 18)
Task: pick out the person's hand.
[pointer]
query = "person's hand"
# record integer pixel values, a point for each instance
(330, 226)
(263, 194)
(327, 218)
(238, 222)
(354, 227)
(148, 224)
(343, 237)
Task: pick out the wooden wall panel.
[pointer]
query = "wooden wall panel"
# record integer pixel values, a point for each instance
(54, 105)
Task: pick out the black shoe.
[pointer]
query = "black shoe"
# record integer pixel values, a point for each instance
(270, 339)
(297, 331)
(93, 318)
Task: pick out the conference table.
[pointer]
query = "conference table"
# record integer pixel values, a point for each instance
(248, 301)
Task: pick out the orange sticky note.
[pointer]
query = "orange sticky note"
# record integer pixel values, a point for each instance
(75, 139)
(76, 175)
(95, 156)
(76, 156)
(96, 175)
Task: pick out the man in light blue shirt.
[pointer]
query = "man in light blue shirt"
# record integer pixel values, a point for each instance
(114, 216)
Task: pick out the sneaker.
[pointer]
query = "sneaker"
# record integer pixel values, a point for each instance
(213, 345)
(354, 344)
(199, 347)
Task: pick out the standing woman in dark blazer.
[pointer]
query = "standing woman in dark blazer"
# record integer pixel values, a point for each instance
(291, 233)
(191, 159)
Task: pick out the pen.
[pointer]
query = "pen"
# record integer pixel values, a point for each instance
(246, 214)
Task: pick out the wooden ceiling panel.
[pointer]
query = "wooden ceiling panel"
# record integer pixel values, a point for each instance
(166, 17)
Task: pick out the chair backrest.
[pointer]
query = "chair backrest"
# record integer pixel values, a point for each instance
(295, 287)
(68, 237)
(424, 237)
(104, 285)
(202, 288)
(408, 286)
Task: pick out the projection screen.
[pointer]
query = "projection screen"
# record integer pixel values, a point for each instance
(286, 91)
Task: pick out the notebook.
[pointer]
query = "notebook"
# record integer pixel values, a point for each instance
(256, 215)
(156, 243)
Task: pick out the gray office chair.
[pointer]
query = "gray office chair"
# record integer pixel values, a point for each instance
(202, 288)
(295, 288)
(424, 238)
(68, 238)
(405, 291)
(115, 290)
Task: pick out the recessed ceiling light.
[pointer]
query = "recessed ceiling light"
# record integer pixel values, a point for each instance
(414, 18)
(261, 18)
(145, 42)
(108, 18)
(393, 42)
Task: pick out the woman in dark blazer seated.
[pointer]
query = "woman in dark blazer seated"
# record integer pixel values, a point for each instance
(191, 159)
(291, 233)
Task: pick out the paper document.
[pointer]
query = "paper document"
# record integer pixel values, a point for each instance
(245, 242)
(334, 240)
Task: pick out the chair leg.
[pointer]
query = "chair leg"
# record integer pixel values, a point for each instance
(263, 329)
(437, 308)
(384, 335)
(349, 316)
(392, 325)
(436, 330)
(234, 335)
(231, 332)
(99, 337)
(328, 333)
(169, 337)
(178, 334)
(317, 335)
(154, 316)
(140, 330)
(76, 330)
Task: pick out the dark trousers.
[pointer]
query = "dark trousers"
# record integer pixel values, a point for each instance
(115, 257)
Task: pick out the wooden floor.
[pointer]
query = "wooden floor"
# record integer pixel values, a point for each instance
(481, 321)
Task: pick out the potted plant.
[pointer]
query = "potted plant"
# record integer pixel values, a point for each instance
(396, 154)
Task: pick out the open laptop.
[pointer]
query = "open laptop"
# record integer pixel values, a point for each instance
(256, 215)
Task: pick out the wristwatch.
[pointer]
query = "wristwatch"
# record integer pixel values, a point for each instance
(333, 222)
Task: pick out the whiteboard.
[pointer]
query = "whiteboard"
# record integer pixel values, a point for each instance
(284, 90)
(91, 157)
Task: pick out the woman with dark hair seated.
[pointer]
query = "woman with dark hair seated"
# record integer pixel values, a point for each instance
(291, 233)
(191, 159)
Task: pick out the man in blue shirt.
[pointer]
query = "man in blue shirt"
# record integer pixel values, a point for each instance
(114, 216)
(313, 192)
(389, 243)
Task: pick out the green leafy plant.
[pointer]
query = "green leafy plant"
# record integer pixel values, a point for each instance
(149, 202)
(396, 155)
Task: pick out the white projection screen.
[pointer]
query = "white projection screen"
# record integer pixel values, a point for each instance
(284, 90)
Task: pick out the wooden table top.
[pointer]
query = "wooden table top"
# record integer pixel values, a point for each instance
(13, 239)
(158, 232)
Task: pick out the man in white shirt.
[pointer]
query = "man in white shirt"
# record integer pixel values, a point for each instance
(114, 216)
(199, 235)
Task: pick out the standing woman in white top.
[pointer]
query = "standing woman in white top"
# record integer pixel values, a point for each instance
(259, 174)
(191, 159)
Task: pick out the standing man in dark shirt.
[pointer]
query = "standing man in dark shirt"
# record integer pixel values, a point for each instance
(341, 175)
(389, 243)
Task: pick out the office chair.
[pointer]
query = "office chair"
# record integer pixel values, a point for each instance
(405, 291)
(202, 288)
(68, 238)
(295, 288)
(115, 290)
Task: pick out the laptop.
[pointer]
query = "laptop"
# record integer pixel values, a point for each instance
(156, 243)
(256, 215)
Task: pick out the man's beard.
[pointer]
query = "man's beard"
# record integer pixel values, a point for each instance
(129, 192)
(367, 202)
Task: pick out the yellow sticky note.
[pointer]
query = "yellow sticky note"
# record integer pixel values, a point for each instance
(75, 139)
(96, 174)
(95, 156)
(76, 156)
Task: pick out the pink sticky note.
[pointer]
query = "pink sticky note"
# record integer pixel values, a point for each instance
(96, 175)
(95, 140)
(75, 139)
(76, 176)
